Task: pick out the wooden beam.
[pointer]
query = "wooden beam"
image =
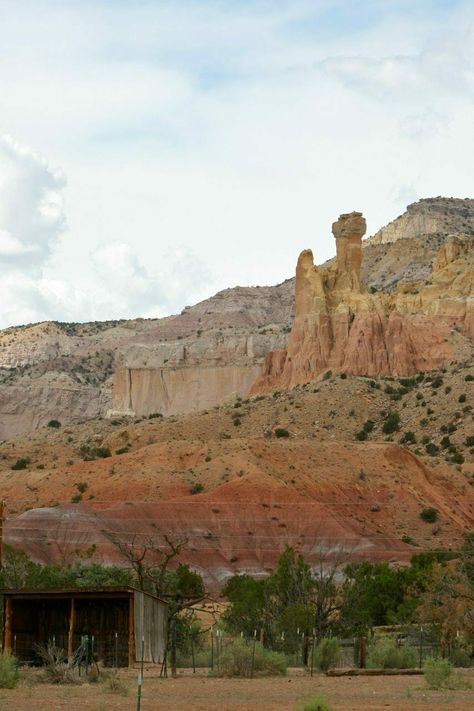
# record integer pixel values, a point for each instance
(131, 631)
(7, 630)
(70, 634)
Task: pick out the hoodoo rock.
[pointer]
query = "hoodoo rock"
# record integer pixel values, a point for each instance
(341, 326)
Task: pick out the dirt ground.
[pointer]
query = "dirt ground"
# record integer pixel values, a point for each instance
(202, 693)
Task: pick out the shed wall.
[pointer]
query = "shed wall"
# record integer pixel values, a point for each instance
(150, 624)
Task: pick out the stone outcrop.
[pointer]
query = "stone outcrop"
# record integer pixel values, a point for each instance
(341, 326)
(430, 216)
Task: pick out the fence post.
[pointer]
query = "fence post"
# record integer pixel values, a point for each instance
(253, 653)
(192, 653)
(212, 650)
(116, 650)
(363, 652)
(140, 677)
(421, 646)
(312, 652)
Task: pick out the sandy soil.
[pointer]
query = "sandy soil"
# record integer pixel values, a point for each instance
(202, 694)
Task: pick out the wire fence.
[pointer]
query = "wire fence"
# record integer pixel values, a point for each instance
(110, 649)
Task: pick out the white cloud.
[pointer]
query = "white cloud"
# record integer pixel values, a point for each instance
(31, 206)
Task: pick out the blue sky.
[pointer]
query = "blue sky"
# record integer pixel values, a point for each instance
(152, 153)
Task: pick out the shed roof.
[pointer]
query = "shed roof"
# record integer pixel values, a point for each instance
(104, 590)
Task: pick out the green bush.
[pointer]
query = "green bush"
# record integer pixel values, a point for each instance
(236, 660)
(368, 426)
(440, 674)
(21, 463)
(469, 378)
(462, 398)
(54, 423)
(430, 514)
(327, 654)
(316, 703)
(196, 488)
(9, 674)
(408, 438)
(361, 436)
(281, 432)
(470, 441)
(432, 449)
(392, 423)
(385, 653)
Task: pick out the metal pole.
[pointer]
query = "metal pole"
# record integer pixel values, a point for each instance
(140, 677)
(2, 512)
(253, 652)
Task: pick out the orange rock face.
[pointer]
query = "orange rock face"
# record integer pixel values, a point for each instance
(339, 325)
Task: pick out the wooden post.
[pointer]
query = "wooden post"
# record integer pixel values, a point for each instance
(2, 513)
(363, 652)
(70, 633)
(7, 630)
(131, 632)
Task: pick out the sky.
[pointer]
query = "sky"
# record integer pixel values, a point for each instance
(154, 152)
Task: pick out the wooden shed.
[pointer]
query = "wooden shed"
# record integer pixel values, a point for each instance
(113, 619)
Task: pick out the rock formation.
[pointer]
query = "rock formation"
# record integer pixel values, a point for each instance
(341, 326)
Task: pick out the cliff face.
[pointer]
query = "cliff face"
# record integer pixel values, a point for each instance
(341, 326)
(431, 216)
(213, 350)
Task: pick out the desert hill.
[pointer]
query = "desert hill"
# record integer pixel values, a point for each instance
(239, 493)
(209, 353)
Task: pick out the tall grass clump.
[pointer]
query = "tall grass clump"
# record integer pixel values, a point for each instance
(386, 654)
(327, 654)
(440, 674)
(236, 660)
(9, 674)
(315, 703)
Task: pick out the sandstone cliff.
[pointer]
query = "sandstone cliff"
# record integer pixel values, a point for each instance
(213, 350)
(339, 325)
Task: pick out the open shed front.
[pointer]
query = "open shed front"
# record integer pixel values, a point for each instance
(114, 621)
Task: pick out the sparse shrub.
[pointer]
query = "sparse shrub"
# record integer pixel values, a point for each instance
(54, 423)
(432, 449)
(236, 660)
(9, 674)
(445, 442)
(82, 486)
(457, 458)
(237, 421)
(440, 674)
(368, 426)
(447, 389)
(116, 685)
(469, 441)
(76, 499)
(408, 438)
(437, 382)
(154, 415)
(327, 654)
(327, 375)
(343, 376)
(469, 378)
(361, 436)
(385, 653)
(316, 703)
(196, 488)
(40, 466)
(429, 514)
(462, 397)
(122, 450)
(281, 432)
(392, 423)
(408, 539)
(21, 463)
